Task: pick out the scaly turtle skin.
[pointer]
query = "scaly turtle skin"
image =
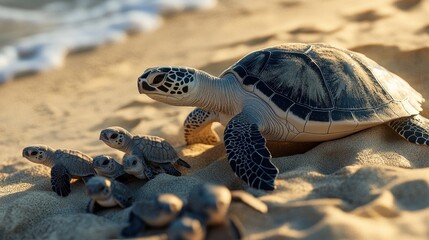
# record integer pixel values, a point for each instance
(147, 148)
(65, 164)
(157, 212)
(208, 204)
(105, 193)
(107, 166)
(292, 92)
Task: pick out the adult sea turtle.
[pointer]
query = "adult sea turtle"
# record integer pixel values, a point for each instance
(293, 92)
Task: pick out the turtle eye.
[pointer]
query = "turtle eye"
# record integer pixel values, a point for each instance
(158, 79)
(105, 162)
(114, 136)
(33, 153)
(134, 162)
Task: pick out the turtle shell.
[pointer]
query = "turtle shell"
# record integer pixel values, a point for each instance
(76, 162)
(319, 85)
(155, 149)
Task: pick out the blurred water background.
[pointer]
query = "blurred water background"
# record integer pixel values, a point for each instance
(37, 35)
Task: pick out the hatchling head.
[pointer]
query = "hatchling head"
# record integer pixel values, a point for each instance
(133, 165)
(37, 153)
(186, 228)
(99, 188)
(104, 165)
(212, 201)
(116, 137)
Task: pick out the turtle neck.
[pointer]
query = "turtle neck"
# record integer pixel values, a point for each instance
(218, 94)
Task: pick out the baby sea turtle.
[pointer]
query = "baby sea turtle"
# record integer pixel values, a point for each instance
(186, 228)
(107, 166)
(135, 166)
(209, 204)
(213, 201)
(150, 149)
(105, 192)
(292, 92)
(65, 164)
(156, 212)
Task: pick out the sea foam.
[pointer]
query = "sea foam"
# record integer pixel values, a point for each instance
(83, 28)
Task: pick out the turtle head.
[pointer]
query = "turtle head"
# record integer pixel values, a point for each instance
(104, 165)
(172, 85)
(187, 227)
(116, 137)
(134, 166)
(165, 207)
(211, 200)
(99, 188)
(38, 154)
(169, 203)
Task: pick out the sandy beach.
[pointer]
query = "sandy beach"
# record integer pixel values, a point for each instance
(370, 185)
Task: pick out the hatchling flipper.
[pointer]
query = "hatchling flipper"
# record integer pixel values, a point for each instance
(60, 180)
(198, 127)
(247, 153)
(149, 171)
(182, 163)
(415, 129)
(136, 225)
(170, 169)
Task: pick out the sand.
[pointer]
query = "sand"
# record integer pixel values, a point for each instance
(371, 185)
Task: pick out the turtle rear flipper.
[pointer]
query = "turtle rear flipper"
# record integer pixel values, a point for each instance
(169, 169)
(60, 180)
(415, 129)
(198, 127)
(135, 226)
(182, 163)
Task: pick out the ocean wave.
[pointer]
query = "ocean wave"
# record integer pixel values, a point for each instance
(83, 28)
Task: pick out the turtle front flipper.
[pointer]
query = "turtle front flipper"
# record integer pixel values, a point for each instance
(415, 129)
(198, 127)
(60, 180)
(135, 226)
(248, 154)
(149, 171)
